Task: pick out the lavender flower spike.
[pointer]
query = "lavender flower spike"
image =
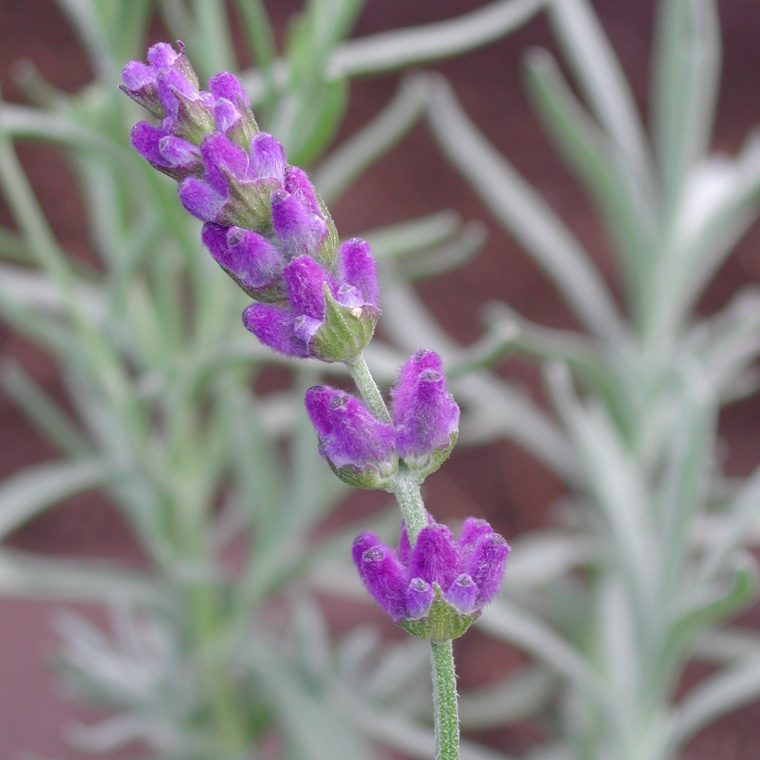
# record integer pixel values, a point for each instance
(439, 589)
(358, 447)
(425, 414)
(265, 225)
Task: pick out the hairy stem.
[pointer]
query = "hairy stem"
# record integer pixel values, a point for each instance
(445, 701)
(406, 489)
(368, 388)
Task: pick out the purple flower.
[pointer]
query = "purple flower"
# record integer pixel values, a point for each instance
(326, 316)
(232, 109)
(425, 414)
(438, 588)
(141, 81)
(233, 190)
(357, 445)
(167, 153)
(299, 230)
(252, 261)
(168, 87)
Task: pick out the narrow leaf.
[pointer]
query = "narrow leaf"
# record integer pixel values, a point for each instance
(32, 491)
(524, 213)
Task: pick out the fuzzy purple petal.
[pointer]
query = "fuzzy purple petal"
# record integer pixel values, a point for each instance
(362, 542)
(404, 546)
(419, 598)
(356, 267)
(226, 115)
(306, 328)
(250, 258)
(180, 154)
(383, 577)
(226, 85)
(162, 55)
(473, 530)
(404, 550)
(405, 389)
(173, 86)
(200, 199)
(273, 326)
(137, 75)
(462, 594)
(222, 157)
(300, 232)
(145, 139)
(305, 280)
(434, 557)
(487, 566)
(424, 412)
(267, 157)
(298, 183)
(349, 434)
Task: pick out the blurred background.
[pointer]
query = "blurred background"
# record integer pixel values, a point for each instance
(499, 481)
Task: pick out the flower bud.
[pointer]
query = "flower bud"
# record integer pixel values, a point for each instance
(357, 445)
(381, 573)
(327, 317)
(249, 259)
(419, 598)
(300, 232)
(140, 80)
(438, 588)
(189, 113)
(425, 414)
(169, 154)
(232, 111)
(228, 195)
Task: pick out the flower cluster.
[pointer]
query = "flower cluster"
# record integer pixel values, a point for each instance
(264, 223)
(267, 228)
(365, 451)
(436, 589)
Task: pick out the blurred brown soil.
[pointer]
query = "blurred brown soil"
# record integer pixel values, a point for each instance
(501, 482)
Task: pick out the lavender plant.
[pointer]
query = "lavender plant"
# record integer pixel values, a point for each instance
(268, 229)
(160, 416)
(646, 565)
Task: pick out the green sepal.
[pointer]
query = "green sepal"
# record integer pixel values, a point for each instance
(345, 331)
(329, 249)
(249, 204)
(423, 466)
(185, 68)
(243, 132)
(442, 623)
(373, 477)
(274, 293)
(194, 120)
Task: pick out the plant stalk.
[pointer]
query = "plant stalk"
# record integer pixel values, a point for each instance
(445, 701)
(368, 387)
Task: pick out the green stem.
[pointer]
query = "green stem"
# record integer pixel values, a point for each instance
(406, 489)
(368, 387)
(445, 701)
(204, 617)
(222, 700)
